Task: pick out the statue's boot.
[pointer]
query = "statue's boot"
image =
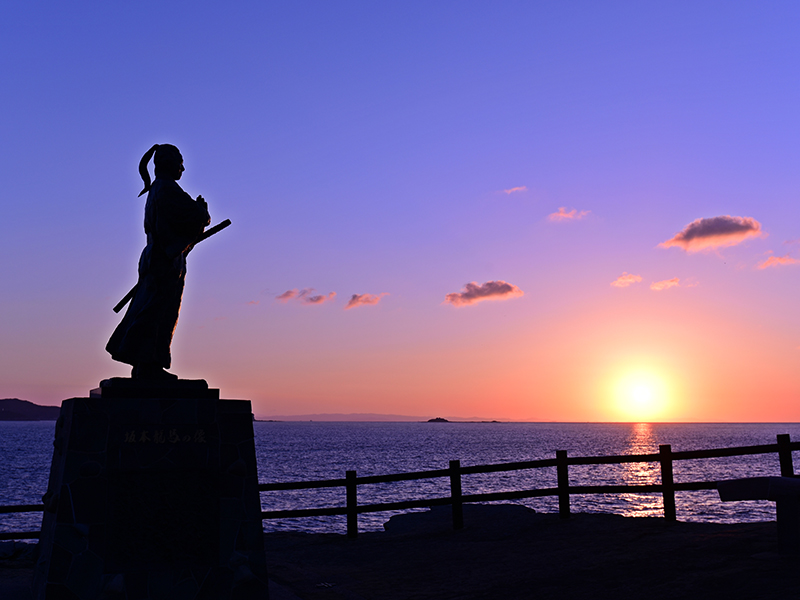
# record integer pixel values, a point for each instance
(151, 372)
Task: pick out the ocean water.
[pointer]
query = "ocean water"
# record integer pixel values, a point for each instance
(299, 451)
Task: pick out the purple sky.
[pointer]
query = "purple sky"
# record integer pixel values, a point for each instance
(397, 153)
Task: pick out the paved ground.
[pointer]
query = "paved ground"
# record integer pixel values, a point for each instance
(507, 552)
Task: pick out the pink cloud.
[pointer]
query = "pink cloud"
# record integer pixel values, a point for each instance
(521, 188)
(287, 295)
(253, 302)
(306, 296)
(714, 232)
(491, 290)
(625, 280)
(563, 215)
(364, 299)
(777, 261)
(666, 284)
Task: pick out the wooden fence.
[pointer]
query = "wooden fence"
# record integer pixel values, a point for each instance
(665, 457)
(564, 490)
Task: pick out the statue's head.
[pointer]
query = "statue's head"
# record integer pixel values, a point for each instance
(168, 161)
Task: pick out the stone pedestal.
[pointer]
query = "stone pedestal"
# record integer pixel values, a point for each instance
(153, 494)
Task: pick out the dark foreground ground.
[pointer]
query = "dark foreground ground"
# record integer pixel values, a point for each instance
(508, 552)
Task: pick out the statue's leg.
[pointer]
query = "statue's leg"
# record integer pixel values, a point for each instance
(173, 292)
(165, 285)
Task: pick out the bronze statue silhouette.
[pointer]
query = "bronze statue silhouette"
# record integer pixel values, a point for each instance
(173, 222)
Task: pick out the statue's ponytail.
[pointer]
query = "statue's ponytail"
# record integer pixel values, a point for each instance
(143, 168)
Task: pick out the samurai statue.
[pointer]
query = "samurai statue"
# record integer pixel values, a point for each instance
(173, 221)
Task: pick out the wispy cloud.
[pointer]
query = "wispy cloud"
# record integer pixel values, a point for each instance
(253, 302)
(563, 215)
(714, 232)
(364, 299)
(306, 296)
(625, 280)
(491, 290)
(287, 295)
(778, 261)
(522, 188)
(666, 284)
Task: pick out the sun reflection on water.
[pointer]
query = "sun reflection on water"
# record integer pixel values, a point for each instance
(642, 441)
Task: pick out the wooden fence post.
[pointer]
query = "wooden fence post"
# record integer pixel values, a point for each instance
(785, 455)
(667, 483)
(352, 504)
(562, 469)
(787, 508)
(455, 494)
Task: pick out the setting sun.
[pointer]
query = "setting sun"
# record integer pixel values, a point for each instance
(640, 396)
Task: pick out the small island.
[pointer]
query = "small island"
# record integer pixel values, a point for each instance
(438, 420)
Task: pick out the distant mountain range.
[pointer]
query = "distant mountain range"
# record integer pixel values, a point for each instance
(13, 409)
(373, 417)
(342, 417)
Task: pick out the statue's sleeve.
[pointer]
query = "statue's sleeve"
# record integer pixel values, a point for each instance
(181, 220)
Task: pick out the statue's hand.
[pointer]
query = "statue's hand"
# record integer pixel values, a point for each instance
(202, 202)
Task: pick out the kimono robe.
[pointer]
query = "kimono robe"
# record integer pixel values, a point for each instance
(172, 222)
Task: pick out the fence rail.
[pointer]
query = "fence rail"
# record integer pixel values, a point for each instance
(667, 488)
(665, 457)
